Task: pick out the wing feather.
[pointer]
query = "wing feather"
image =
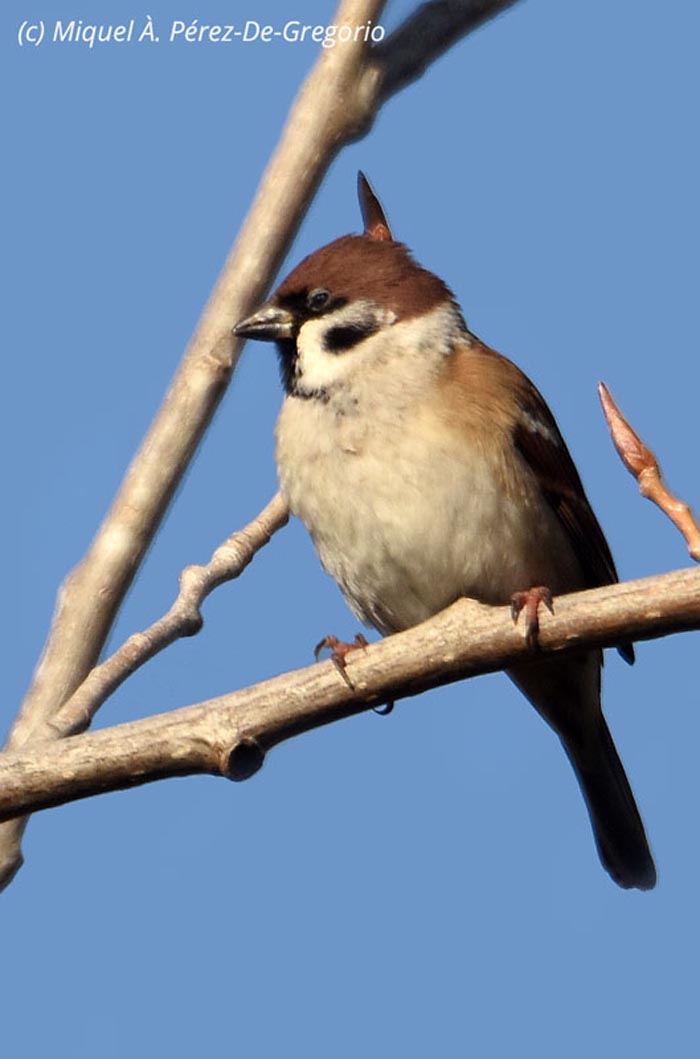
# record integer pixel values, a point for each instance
(540, 443)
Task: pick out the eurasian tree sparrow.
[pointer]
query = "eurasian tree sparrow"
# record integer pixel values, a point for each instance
(428, 467)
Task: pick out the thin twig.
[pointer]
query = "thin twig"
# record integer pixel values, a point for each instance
(183, 619)
(641, 462)
(230, 735)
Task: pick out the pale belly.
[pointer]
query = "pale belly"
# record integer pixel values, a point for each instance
(406, 527)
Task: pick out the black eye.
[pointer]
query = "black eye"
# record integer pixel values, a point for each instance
(318, 299)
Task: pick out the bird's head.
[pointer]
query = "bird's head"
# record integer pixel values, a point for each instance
(324, 313)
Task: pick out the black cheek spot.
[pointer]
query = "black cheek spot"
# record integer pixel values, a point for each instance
(345, 336)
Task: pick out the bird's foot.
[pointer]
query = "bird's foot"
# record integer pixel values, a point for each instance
(339, 652)
(529, 602)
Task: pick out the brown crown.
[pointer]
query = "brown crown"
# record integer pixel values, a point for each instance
(357, 267)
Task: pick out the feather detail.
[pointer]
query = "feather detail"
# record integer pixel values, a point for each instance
(506, 397)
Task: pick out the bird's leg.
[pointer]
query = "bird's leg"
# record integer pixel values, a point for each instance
(339, 651)
(529, 601)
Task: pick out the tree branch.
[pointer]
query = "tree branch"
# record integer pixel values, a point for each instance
(183, 619)
(230, 735)
(426, 35)
(337, 103)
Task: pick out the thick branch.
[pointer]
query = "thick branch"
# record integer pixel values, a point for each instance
(229, 735)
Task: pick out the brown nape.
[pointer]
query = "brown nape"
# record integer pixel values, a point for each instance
(356, 267)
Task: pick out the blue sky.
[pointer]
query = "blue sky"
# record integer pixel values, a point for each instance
(419, 884)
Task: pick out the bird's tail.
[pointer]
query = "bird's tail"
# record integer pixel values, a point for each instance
(567, 694)
(617, 826)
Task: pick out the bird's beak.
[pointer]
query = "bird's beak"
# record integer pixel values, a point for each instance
(270, 324)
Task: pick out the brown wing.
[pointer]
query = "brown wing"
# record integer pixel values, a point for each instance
(539, 441)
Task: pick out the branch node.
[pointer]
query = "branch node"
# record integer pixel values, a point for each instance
(191, 622)
(243, 760)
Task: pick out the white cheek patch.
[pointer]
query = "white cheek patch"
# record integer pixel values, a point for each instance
(319, 367)
(315, 367)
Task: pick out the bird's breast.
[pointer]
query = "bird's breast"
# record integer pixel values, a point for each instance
(407, 515)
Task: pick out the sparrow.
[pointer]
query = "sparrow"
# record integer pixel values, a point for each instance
(427, 467)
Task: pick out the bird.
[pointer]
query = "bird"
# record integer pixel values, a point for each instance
(427, 467)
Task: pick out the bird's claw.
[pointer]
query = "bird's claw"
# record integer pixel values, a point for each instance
(340, 649)
(529, 602)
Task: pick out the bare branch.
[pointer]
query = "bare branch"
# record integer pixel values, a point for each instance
(642, 463)
(337, 103)
(183, 619)
(426, 35)
(229, 735)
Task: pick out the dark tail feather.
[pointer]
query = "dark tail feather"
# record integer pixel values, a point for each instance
(617, 826)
